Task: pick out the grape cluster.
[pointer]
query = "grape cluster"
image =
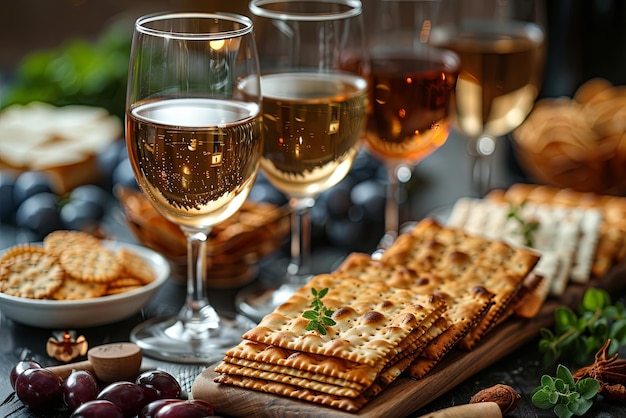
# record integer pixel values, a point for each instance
(29, 200)
(153, 394)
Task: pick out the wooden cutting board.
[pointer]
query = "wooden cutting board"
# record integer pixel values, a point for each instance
(405, 395)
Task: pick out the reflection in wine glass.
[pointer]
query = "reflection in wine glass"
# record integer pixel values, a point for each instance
(193, 132)
(313, 114)
(501, 45)
(412, 88)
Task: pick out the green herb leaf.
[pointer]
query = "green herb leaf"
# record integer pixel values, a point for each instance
(563, 394)
(580, 333)
(526, 228)
(320, 316)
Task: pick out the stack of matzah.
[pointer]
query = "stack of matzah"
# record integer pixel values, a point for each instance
(579, 235)
(435, 288)
(611, 245)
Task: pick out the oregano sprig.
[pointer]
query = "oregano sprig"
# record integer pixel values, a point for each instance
(564, 395)
(526, 228)
(320, 316)
(578, 334)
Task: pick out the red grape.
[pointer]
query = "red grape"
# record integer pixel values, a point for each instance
(79, 388)
(128, 396)
(150, 410)
(158, 384)
(98, 408)
(19, 369)
(38, 388)
(185, 409)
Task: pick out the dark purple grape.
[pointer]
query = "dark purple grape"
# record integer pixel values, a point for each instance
(30, 183)
(91, 193)
(40, 214)
(158, 384)
(79, 387)
(371, 195)
(265, 192)
(338, 200)
(7, 201)
(38, 388)
(108, 159)
(123, 175)
(186, 409)
(80, 214)
(129, 396)
(98, 408)
(19, 369)
(150, 410)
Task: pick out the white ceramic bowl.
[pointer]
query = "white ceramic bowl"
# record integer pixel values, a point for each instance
(88, 312)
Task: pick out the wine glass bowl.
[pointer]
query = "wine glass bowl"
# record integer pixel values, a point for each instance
(501, 45)
(314, 110)
(193, 133)
(412, 93)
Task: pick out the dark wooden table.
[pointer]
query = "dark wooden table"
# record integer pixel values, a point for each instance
(441, 179)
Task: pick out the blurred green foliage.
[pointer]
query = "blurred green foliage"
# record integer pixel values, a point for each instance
(78, 72)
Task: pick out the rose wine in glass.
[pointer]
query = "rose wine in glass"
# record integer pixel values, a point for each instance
(314, 113)
(412, 91)
(501, 45)
(194, 136)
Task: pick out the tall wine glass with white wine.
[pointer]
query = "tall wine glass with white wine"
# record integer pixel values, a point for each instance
(193, 132)
(313, 116)
(501, 44)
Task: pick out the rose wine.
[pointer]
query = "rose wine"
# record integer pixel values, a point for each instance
(411, 105)
(500, 74)
(195, 159)
(312, 124)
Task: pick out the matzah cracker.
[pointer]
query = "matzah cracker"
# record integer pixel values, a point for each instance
(466, 305)
(611, 243)
(565, 237)
(340, 402)
(282, 389)
(372, 319)
(461, 259)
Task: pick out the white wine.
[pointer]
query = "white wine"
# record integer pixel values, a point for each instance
(501, 67)
(195, 159)
(312, 124)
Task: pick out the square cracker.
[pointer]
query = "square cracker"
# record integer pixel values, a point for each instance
(460, 261)
(372, 319)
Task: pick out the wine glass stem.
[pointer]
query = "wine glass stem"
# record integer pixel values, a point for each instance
(197, 307)
(299, 269)
(480, 151)
(392, 207)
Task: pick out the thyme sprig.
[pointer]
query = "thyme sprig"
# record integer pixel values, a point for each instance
(320, 316)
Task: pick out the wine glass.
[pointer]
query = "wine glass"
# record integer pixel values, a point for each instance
(502, 46)
(412, 90)
(313, 117)
(193, 132)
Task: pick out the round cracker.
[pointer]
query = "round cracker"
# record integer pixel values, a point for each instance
(73, 289)
(135, 265)
(20, 249)
(97, 265)
(33, 275)
(58, 241)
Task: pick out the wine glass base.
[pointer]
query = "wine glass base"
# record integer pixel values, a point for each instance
(257, 301)
(174, 340)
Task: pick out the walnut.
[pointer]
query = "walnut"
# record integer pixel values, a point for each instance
(505, 396)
